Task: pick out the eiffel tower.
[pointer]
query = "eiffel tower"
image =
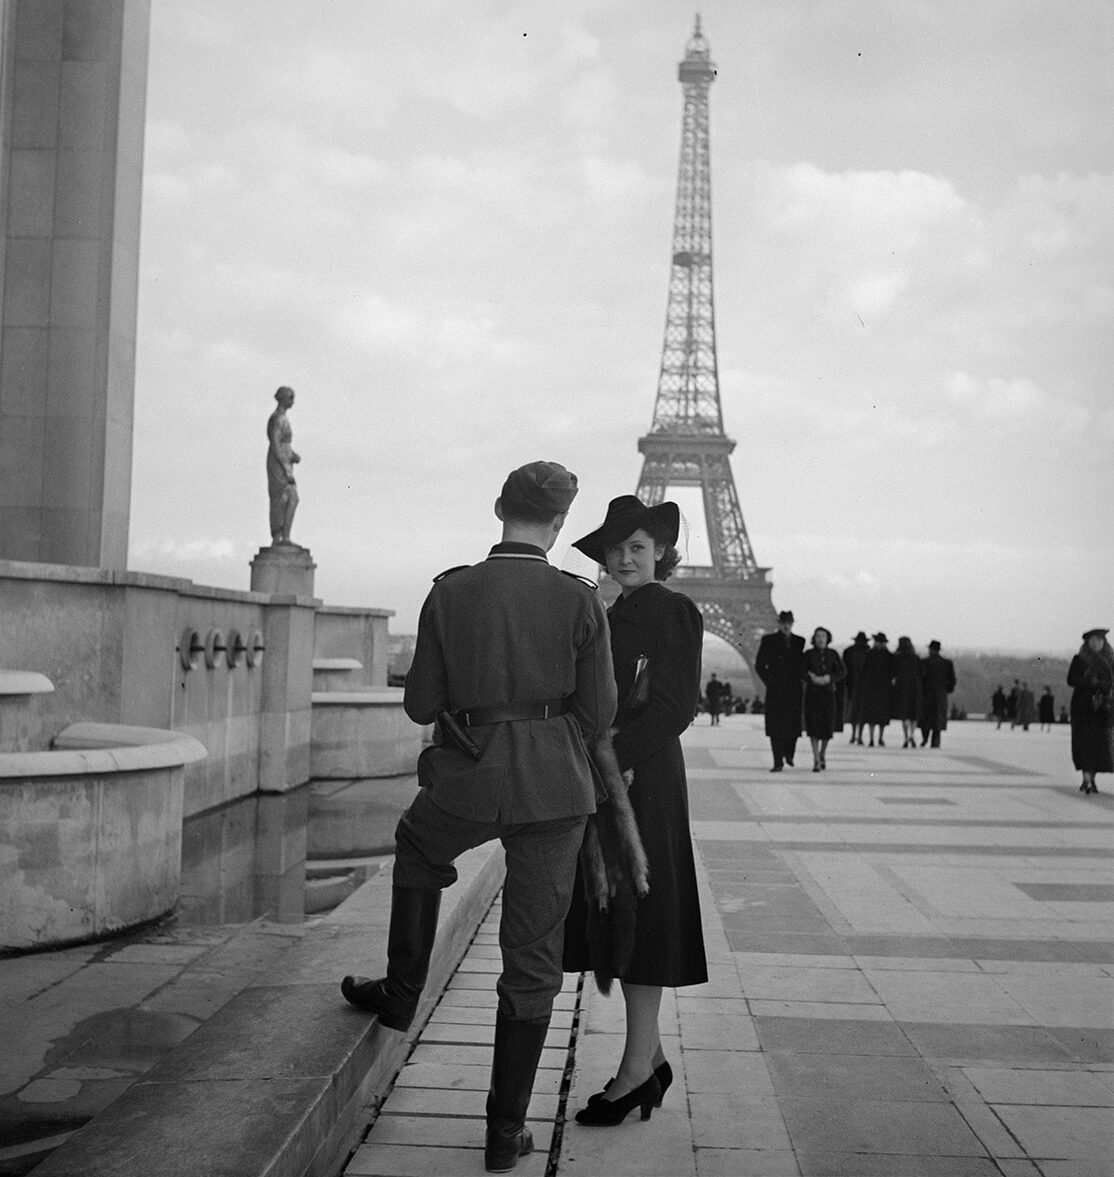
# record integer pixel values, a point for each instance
(686, 445)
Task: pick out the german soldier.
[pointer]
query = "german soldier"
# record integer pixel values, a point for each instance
(513, 662)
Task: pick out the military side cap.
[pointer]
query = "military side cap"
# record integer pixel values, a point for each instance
(548, 486)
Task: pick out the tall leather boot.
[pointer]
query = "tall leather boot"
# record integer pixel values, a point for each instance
(518, 1047)
(394, 998)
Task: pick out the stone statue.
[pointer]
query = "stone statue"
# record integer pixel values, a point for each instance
(280, 468)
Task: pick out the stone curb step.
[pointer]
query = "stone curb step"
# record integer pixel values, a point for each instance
(279, 1081)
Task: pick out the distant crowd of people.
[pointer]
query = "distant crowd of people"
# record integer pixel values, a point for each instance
(820, 692)
(1020, 707)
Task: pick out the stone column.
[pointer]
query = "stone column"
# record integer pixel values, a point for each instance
(284, 756)
(73, 110)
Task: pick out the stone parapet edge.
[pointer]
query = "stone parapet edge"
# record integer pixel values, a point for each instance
(311, 1115)
(100, 749)
(367, 697)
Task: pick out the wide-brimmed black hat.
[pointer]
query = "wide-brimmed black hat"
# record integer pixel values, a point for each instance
(880, 637)
(1099, 632)
(861, 636)
(625, 515)
(786, 615)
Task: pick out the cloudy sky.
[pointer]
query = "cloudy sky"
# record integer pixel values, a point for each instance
(447, 224)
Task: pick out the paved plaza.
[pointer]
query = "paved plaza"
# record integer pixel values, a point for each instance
(912, 974)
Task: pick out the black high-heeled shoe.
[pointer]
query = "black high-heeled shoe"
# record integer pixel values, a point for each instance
(664, 1073)
(606, 1113)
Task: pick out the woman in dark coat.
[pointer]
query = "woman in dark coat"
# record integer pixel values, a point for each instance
(1091, 673)
(636, 545)
(854, 659)
(876, 678)
(905, 695)
(1046, 708)
(823, 671)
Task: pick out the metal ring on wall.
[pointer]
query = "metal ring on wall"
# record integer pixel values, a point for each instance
(237, 647)
(190, 647)
(214, 646)
(255, 648)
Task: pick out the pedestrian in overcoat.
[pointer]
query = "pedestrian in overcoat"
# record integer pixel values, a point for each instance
(1046, 708)
(854, 659)
(780, 665)
(823, 672)
(937, 683)
(512, 664)
(906, 689)
(656, 644)
(876, 689)
(1091, 675)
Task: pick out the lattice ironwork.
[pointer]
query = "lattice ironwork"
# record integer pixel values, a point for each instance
(686, 445)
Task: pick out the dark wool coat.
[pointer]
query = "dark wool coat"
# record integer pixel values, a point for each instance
(669, 939)
(820, 701)
(779, 665)
(1092, 728)
(877, 675)
(905, 699)
(937, 683)
(854, 659)
(1046, 708)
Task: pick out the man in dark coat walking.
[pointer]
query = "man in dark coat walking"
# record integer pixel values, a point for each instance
(513, 662)
(854, 659)
(713, 697)
(937, 683)
(780, 666)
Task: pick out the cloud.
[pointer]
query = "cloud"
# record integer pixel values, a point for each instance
(1018, 404)
(179, 551)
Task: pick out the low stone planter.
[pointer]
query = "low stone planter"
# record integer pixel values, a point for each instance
(91, 832)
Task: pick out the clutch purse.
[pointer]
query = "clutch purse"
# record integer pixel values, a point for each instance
(639, 694)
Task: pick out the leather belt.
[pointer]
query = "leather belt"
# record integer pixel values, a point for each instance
(478, 716)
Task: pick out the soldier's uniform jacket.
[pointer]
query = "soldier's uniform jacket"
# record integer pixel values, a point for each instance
(513, 630)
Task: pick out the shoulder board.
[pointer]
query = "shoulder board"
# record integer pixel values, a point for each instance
(450, 571)
(583, 579)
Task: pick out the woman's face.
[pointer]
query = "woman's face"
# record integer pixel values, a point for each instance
(1095, 642)
(820, 639)
(631, 563)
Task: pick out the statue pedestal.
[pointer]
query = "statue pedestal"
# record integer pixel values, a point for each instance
(283, 568)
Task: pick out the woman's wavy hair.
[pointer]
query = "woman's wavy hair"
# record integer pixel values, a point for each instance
(670, 558)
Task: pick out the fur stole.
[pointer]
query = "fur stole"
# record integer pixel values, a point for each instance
(614, 870)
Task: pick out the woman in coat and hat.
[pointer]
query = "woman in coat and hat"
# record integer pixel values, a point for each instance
(876, 688)
(854, 658)
(823, 672)
(1091, 673)
(905, 699)
(636, 544)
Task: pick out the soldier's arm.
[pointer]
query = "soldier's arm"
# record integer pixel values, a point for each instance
(594, 698)
(427, 688)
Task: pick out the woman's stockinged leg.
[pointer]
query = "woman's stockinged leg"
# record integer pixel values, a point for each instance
(642, 1049)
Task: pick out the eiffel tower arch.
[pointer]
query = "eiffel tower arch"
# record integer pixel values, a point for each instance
(686, 445)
